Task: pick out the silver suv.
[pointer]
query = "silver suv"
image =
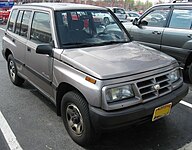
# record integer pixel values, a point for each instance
(97, 79)
(167, 28)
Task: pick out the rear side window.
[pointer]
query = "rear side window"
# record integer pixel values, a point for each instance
(25, 23)
(18, 22)
(41, 29)
(22, 23)
(181, 19)
(12, 20)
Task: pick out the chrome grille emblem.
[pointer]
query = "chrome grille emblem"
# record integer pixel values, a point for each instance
(157, 87)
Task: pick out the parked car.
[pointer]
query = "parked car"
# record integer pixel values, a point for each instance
(4, 15)
(131, 15)
(119, 12)
(106, 19)
(167, 28)
(97, 79)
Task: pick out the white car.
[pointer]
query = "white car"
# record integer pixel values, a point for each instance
(119, 12)
(131, 15)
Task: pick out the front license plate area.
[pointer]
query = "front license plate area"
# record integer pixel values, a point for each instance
(161, 111)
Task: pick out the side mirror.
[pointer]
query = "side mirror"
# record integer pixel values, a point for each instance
(135, 21)
(44, 49)
(144, 23)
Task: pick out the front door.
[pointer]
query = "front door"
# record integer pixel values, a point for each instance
(151, 26)
(39, 66)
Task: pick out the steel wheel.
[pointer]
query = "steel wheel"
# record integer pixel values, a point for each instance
(12, 70)
(74, 119)
(75, 114)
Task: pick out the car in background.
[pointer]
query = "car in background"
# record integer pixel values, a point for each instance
(131, 15)
(119, 12)
(106, 19)
(4, 15)
(167, 28)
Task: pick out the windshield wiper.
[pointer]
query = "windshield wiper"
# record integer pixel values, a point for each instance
(77, 44)
(112, 42)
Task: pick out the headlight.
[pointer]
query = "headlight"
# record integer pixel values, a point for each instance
(119, 93)
(174, 76)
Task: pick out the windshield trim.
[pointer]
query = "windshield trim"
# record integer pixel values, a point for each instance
(119, 24)
(81, 45)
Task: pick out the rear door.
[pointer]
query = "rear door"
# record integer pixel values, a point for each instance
(151, 27)
(19, 38)
(177, 37)
(39, 66)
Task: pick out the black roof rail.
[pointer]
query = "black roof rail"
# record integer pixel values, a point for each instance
(184, 1)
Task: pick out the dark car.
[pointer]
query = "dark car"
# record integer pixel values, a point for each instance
(167, 27)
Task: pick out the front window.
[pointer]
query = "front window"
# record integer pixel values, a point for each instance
(41, 28)
(88, 28)
(156, 18)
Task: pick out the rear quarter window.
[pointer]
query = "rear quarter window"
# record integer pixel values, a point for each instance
(12, 20)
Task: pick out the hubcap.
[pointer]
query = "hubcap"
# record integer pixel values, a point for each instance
(74, 119)
(12, 70)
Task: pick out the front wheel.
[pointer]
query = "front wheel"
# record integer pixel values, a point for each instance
(190, 73)
(12, 69)
(75, 114)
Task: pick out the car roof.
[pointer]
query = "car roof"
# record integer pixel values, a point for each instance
(175, 4)
(60, 6)
(132, 12)
(115, 7)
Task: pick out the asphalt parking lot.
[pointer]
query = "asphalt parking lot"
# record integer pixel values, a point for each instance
(35, 125)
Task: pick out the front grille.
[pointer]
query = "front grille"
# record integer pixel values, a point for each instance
(147, 87)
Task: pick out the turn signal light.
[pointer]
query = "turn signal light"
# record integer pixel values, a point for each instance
(91, 80)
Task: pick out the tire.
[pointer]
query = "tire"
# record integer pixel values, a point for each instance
(75, 115)
(12, 70)
(190, 73)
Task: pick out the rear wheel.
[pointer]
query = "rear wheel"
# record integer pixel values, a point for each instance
(12, 69)
(106, 21)
(75, 114)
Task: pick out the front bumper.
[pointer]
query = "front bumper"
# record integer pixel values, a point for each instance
(136, 114)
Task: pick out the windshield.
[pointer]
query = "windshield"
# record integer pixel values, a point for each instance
(81, 28)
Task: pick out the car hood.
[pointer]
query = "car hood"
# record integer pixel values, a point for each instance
(128, 25)
(112, 61)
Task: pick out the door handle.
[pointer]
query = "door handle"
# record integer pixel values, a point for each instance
(28, 49)
(13, 40)
(156, 32)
